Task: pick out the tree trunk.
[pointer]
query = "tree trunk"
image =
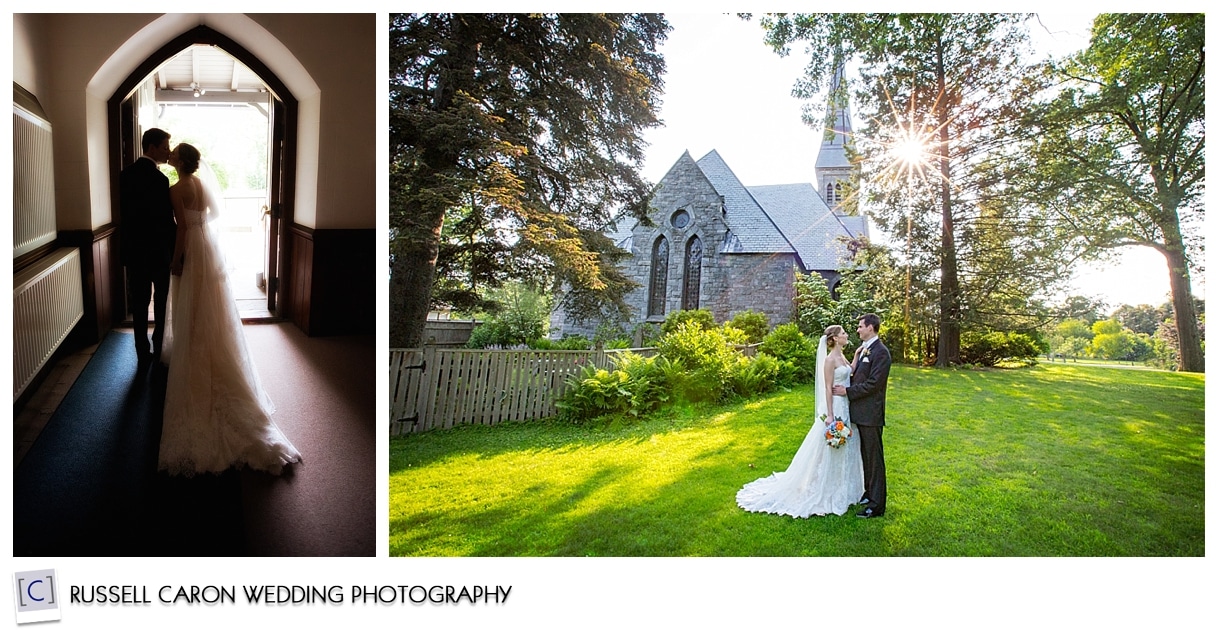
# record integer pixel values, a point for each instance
(949, 289)
(409, 289)
(411, 275)
(416, 244)
(949, 292)
(1187, 335)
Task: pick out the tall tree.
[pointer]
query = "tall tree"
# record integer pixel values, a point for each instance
(941, 91)
(1141, 318)
(527, 127)
(1121, 148)
(1087, 309)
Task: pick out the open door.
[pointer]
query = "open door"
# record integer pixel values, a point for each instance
(203, 68)
(273, 214)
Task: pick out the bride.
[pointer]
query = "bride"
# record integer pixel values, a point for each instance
(821, 479)
(216, 413)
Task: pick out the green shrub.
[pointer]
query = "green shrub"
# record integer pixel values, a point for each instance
(647, 381)
(543, 344)
(988, 349)
(492, 333)
(816, 308)
(567, 343)
(790, 374)
(574, 343)
(734, 336)
(672, 374)
(701, 318)
(594, 392)
(637, 385)
(751, 376)
(519, 314)
(788, 345)
(754, 324)
(707, 356)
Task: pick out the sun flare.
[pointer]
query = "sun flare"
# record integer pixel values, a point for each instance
(910, 150)
(909, 155)
(908, 147)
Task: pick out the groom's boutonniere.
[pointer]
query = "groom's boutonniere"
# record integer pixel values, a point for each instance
(866, 351)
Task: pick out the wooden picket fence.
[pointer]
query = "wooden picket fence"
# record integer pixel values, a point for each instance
(434, 387)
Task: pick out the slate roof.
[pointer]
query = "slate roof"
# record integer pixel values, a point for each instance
(754, 229)
(780, 218)
(808, 224)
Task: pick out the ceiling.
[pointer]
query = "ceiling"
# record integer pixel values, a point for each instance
(218, 77)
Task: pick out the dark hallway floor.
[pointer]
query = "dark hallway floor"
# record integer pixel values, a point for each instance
(85, 446)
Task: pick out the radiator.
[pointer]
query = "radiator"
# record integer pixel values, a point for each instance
(47, 303)
(33, 182)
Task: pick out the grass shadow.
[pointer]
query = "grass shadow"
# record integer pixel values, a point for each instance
(1045, 461)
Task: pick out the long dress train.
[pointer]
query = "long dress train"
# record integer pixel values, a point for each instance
(216, 413)
(821, 479)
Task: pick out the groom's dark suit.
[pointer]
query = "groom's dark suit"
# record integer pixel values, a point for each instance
(867, 399)
(148, 233)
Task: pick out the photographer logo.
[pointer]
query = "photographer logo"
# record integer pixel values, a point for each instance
(37, 596)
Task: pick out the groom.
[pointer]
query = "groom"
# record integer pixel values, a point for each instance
(148, 234)
(867, 399)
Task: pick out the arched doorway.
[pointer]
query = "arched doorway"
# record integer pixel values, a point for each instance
(280, 109)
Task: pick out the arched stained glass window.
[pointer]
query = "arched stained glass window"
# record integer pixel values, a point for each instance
(693, 274)
(659, 278)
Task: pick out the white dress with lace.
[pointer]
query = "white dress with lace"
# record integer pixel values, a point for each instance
(217, 415)
(820, 480)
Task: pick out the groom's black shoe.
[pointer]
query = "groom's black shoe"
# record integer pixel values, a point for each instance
(868, 513)
(863, 501)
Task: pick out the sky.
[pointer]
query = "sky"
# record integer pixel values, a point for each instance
(726, 90)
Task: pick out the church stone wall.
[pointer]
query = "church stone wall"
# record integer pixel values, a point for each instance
(761, 282)
(683, 188)
(730, 283)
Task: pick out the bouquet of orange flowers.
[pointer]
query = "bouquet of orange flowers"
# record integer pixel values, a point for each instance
(836, 432)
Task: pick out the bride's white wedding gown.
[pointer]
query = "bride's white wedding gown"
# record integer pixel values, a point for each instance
(820, 479)
(216, 413)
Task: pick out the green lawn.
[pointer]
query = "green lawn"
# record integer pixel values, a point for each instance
(1053, 460)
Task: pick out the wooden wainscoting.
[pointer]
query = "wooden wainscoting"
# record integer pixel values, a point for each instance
(299, 298)
(102, 277)
(332, 286)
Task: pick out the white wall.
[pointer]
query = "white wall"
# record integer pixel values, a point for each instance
(28, 51)
(339, 51)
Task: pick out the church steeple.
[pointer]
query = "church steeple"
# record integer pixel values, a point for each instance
(833, 168)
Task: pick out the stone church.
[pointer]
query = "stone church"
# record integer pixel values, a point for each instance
(720, 245)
